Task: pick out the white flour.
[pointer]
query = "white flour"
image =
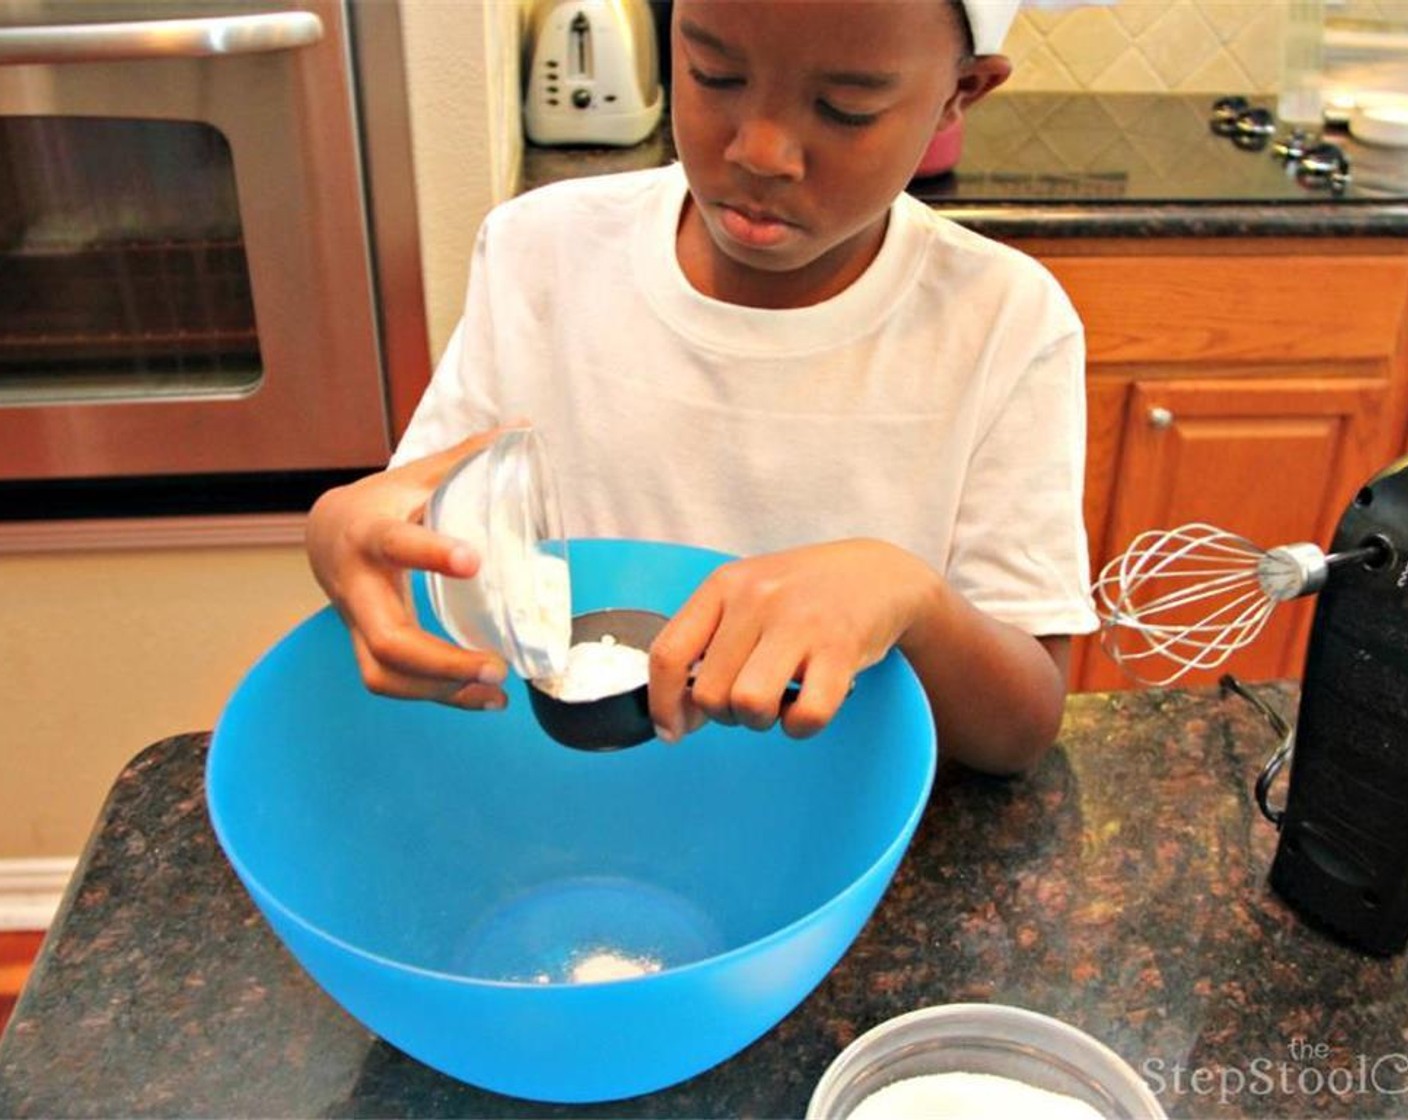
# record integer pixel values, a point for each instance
(477, 611)
(607, 964)
(541, 610)
(598, 669)
(968, 1096)
(597, 965)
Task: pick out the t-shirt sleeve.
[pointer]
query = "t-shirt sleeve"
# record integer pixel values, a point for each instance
(458, 401)
(1020, 551)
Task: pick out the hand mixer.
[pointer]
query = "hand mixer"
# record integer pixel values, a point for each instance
(1149, 594)
(1194, 595)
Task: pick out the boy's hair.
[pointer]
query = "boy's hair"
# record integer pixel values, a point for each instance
(965, 28)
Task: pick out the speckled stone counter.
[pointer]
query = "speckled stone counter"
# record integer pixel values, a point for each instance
(1084, 165)
(1122, 887)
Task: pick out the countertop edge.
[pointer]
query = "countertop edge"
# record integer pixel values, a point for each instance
(1368, 220)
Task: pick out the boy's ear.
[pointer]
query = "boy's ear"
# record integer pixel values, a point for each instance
(979, 77)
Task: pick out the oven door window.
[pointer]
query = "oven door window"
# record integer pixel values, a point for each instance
(122, 264)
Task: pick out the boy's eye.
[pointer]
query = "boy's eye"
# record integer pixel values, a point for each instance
(841, 116)
(714, 81)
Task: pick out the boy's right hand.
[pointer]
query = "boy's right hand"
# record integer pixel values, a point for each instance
(362, 539)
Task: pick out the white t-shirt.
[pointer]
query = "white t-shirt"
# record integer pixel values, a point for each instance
(938, 402)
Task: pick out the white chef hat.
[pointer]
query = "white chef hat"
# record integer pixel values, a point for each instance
(989, 21)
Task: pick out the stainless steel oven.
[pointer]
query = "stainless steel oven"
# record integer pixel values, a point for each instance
(208, 258)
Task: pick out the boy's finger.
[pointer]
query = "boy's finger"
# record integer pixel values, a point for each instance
(825, 686)
(383, 680)
(432, 467)
(405, 545)
(454, 694)
(762, 683)
(477, 697)
(716, 687)
(675, 650)
(694, 717)
(394, 642)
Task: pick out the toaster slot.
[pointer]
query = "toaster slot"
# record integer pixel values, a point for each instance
(579, 47)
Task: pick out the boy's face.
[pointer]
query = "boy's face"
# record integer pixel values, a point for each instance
(798, 122)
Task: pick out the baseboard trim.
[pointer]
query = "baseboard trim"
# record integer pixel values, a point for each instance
(31, 890)
(127, 533)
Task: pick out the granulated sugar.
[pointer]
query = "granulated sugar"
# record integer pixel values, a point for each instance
(598, 669)
(968, 1096)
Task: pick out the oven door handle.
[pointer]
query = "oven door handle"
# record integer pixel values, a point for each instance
(159, 38)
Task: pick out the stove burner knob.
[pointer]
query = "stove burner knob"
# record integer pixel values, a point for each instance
(1256, 124)
(1324, 159)
(1224, 114)
(1293, 147)
(1324, 165)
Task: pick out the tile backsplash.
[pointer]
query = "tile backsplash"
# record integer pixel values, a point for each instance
(1192, 46)
(1386, 13)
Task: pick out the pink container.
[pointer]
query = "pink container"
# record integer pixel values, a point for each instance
(942, 154)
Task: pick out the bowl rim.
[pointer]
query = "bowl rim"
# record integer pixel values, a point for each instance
(893, 850)
(1004, 1014)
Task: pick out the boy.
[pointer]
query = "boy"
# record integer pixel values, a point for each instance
(771, 350)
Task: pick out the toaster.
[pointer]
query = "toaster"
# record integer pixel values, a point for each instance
(592, 75)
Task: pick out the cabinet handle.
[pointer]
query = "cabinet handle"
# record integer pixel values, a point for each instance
(160, 38)
(1160, 418)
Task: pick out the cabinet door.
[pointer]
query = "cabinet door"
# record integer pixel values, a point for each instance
(1105, 426)
(1274, 460)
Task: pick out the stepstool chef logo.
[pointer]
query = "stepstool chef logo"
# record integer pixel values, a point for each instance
(1306, 1069)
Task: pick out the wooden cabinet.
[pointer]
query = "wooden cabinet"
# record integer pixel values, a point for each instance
(1274, 461)
(1254, 386)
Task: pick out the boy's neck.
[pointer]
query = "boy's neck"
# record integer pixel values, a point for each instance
(713, 273)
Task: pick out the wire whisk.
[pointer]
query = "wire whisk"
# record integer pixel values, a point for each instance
(1189, 598)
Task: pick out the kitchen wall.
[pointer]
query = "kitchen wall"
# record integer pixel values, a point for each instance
(462, 64)
(1383, 12)
(105, 650)
(1194, 46)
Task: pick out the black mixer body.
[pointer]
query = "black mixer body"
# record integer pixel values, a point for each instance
(1342, 857)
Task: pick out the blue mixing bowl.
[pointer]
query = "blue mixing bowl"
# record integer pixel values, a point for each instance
(543, 922)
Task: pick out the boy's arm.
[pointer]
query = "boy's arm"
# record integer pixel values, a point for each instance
(822, 613)
(996, 692)
(1019, 563)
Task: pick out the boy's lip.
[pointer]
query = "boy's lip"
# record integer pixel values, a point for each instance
(754, 226)
(756, 213)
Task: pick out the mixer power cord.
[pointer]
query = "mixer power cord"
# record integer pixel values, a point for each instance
(1228, 683)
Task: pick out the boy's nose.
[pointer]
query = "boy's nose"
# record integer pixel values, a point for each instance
(766, 149)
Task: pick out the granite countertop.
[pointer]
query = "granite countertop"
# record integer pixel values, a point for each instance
(1121, 886)
(1052, 165)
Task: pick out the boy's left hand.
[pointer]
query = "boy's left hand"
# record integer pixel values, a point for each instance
(817, 614)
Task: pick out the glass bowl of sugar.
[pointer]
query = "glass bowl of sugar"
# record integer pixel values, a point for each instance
(979, 1061)
(502, 502)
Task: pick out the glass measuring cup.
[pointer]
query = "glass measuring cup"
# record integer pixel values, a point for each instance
(502, 502)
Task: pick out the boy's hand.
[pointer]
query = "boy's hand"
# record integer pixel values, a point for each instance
(818, 614)
(361, 540)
